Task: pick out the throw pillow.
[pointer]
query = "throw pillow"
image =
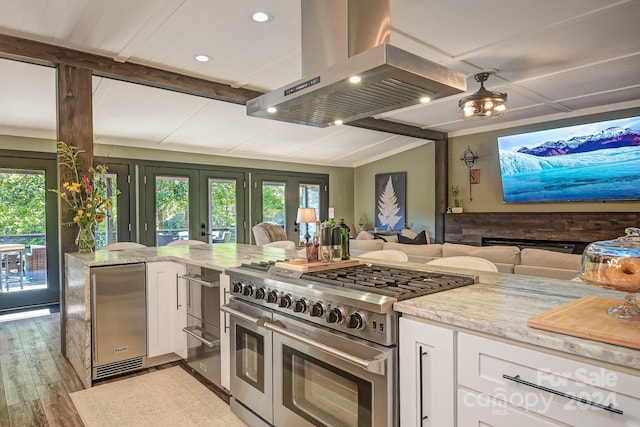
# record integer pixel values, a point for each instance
(363, 235)
(420, 239)
(408, 233)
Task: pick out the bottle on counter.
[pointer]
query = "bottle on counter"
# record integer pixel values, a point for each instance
(336, 243)
(345, 239)
(324, 252)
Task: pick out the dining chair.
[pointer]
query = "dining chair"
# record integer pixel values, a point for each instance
(388, 254)
(468, 262)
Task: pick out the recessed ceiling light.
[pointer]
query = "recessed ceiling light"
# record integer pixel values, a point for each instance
(272, 110)
(355, 79)
(425, 99)
(201, 58)
(337, 122)
(262, 17)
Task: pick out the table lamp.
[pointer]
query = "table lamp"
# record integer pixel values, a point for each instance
(306, 215)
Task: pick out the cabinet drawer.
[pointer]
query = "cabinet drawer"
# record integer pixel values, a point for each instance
(542, 382)
(475, 409)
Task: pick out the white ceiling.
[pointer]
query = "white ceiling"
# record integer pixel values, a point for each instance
(555, 59)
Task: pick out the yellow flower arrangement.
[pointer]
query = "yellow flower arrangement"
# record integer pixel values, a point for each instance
(85, 194)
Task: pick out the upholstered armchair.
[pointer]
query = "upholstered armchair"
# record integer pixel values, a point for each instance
(266, 232)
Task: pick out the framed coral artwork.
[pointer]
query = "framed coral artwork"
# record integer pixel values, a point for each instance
(391, 196)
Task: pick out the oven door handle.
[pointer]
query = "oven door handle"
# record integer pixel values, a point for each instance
(241, 315)
(376, 366)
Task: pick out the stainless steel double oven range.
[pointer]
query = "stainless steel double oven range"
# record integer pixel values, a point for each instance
(320, 348)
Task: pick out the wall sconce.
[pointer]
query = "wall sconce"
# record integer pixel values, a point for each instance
(469, 158)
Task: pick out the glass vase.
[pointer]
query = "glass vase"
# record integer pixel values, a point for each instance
(86, 240)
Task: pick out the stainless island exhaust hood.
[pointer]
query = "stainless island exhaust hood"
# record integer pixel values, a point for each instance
(346, 38)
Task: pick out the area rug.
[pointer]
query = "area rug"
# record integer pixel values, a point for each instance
(168, 397)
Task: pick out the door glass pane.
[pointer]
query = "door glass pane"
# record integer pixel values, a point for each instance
(107, 230)
(223, 215)
(273, 203)
(250, 357)
(172, 209)
(323, 394)
(22, 230)
(309, 195)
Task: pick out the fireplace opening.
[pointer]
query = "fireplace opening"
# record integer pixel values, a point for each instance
(565, 246)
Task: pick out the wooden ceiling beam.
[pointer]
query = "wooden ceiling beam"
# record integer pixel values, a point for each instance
(42, 53)
(398, 129)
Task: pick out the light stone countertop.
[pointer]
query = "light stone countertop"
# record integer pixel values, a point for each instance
(501, 304)
(217, 256)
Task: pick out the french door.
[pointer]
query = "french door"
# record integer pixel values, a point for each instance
(198, 204)
(29, 259)
(118, 225)
(276, 197)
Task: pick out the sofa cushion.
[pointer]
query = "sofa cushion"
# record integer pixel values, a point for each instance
(419, 239)
(357, 247)
(495, 254)
(552, 259)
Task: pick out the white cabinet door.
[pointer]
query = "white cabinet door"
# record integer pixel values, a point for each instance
(427, 376)
(166, 309)
(225, 364)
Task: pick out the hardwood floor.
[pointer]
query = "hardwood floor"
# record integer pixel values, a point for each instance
(35, 379)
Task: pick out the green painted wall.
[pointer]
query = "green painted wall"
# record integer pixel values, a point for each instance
(487, 195)
(418, 163)
(340, 178)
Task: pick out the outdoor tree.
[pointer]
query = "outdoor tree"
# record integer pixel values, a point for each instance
(22, 196)
(172, 201)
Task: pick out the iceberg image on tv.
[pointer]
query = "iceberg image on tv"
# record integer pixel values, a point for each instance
(591, 162)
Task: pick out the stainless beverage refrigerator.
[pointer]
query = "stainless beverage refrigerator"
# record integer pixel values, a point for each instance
(118, 319)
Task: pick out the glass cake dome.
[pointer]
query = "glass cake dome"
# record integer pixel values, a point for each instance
(615, 264)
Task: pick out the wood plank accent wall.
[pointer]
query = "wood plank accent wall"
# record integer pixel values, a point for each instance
(470, 228)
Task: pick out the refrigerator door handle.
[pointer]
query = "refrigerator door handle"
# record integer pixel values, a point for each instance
(94, 319)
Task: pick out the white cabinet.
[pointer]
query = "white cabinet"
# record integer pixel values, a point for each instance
(452, 378)
(166, 309)
(225, 362)
(427, 374)
(505, 377)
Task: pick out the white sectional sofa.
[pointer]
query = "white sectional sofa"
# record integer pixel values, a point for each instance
(508, 259)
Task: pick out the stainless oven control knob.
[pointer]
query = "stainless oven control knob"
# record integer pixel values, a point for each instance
(237, 287)
(272, 297)
(260, 293)
(317, 310)
(355, 321)
(335, 315)
(301, 306)
(286, 301)
(248, 289)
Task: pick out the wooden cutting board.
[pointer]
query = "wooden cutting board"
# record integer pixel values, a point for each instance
(587, 318)
(313, 266)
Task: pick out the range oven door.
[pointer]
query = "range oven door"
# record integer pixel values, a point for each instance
(251, 359)
(325, 378)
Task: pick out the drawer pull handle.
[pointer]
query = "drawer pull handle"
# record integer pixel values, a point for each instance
(559, 393)
(421, 355)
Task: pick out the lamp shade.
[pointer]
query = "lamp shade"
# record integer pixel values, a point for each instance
(306, 215)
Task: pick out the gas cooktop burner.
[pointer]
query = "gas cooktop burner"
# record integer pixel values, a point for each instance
(391, 281)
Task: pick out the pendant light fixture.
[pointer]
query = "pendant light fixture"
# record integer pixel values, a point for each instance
(484, 103)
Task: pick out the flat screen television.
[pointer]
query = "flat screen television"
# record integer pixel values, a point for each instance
(590, 162)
